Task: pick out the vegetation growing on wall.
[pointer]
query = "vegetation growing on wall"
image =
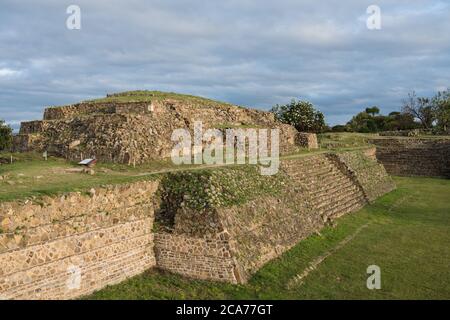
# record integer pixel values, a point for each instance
(222, 187)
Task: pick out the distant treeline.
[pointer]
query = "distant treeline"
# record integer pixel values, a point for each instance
(429, 114)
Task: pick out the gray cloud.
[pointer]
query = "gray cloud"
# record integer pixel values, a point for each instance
(253, 53)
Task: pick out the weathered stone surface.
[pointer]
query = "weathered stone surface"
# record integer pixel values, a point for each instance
(307, 140)
(104, 237)
(309, 193)
(220, 225)
(137, 132)
(207, 258)
(364, 169)
(414, 156)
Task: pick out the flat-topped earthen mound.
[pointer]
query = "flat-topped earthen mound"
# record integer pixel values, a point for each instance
(136, 126)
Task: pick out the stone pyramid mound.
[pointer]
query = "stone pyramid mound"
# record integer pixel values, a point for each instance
(136, 126)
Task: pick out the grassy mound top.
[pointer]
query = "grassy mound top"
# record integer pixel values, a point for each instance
(148, 95)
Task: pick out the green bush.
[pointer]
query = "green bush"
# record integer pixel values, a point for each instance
(441, 107)
(302, 115)
(5, 136)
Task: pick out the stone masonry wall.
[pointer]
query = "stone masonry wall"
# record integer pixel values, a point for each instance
(208, 258)
(307, 140)
(138, 132)
(64, 247)
(414, 156)
(67, 112)
(366, 171)
(261, 218)
(222, 224)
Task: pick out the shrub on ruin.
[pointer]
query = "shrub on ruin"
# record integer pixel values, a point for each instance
(5, 136)
(302, 115)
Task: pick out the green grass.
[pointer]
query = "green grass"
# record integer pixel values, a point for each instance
(31, 176)
(147, 95)
(408, 237)
(339, 140)
(332, 140)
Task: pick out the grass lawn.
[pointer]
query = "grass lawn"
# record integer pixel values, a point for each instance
(31, 176)
(407, 234)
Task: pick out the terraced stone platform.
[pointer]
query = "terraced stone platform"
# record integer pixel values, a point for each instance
(218, 224)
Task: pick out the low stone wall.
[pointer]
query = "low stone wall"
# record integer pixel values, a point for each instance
(414, 156)
(27, 142)
(30, 127)
(200, 258)
(64, 247)
(84, 108)
(402, 133)
(307, 140)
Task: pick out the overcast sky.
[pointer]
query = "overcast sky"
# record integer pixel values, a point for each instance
(251, 53)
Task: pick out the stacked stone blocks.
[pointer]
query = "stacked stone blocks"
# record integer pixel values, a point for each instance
(66, 246)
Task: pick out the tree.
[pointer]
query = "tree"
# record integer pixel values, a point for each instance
(302, 115)
(400, 121)
(373, 110)
(362, 122)
(340, 128)
(420, 108)
(5, 136)
(441, 109)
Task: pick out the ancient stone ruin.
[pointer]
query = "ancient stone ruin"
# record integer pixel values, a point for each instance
(428, 156)
(220, 224)
(135, 128)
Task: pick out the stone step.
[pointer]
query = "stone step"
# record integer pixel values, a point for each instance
(322, 176)
(351, 207)
(325, 179)
(310, 171)
(324, 186)
(337, 198)
(342, 208)
(307, 161)
(340, 195)
(332, 189)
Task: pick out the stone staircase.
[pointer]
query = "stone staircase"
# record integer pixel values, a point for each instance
(331, 192)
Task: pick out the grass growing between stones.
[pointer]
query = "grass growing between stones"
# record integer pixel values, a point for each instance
(407, 236)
